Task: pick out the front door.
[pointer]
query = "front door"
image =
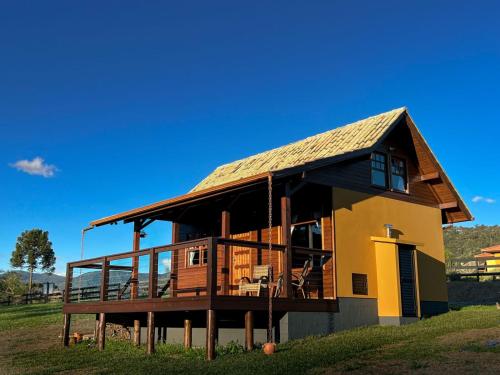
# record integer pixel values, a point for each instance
(407, 280)
(240, 261)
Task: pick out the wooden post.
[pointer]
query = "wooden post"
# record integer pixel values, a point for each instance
(286, 221)
(102, 331)
(96, 328)
(174, 259)
(153, 274)
(211, 328)
(104, 279)
(225, 233)
(188, 334)
(212, 267)
(69, 281)
(134, 287)
(66, 327)
(249, 330)
(151, 333)
(137, 332)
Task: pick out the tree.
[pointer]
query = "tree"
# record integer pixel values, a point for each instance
(33, 250)
(11, 284)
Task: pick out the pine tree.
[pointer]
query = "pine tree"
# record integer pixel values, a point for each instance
(33, 250)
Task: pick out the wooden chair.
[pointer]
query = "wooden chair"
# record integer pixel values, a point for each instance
(259, 281)
(301, 279)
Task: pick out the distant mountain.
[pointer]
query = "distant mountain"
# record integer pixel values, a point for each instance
(464, 242)
(86, 279)
(42, 278)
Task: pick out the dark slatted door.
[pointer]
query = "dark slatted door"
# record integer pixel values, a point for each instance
(407, 281)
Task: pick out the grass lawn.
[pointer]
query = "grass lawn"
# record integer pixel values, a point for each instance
(460, 342)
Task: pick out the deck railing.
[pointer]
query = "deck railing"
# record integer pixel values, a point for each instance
(200, 267)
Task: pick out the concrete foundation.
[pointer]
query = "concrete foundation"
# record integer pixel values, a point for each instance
(356, 312)
(353, 312)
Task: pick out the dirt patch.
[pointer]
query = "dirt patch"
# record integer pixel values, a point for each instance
(22, 340)
(451, 363)
(464, 363)
(470, 336)
(367, 367)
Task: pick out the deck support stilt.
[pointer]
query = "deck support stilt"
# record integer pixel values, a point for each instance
(277, 331)
(188, 333)
(164, 335)
(151, 333)
(137, 332)
(211, 335)
(249, 330)
(102, 331)
(158, 334)
(96, 328)
(66, 327)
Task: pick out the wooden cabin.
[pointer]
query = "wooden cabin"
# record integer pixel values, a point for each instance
(341, 229)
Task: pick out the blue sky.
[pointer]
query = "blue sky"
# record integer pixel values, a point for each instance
(131, 103)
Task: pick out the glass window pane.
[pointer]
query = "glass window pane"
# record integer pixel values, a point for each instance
(398, 183)
(378, 164)
(378, 178)
(398, 174)
(316, 235)
(300, 236)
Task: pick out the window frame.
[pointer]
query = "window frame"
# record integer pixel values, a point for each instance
(203, 256)
(309, 224)
(405, 165)
(386, 174)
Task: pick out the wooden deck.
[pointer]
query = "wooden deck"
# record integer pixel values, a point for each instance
(200, 288)
(202, 303)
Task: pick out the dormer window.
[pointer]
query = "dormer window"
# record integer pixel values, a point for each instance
(398, 174)
(379, 169)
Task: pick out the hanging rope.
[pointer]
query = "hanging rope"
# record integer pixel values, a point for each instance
(270, 243)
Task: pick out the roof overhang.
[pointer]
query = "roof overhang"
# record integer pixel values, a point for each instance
(448, 207)
(157, 207)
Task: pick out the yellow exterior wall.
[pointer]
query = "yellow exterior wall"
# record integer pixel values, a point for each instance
(359, 216)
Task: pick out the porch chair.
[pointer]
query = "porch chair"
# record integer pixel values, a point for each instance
(279, 286)
(259, 280)
(301, 279)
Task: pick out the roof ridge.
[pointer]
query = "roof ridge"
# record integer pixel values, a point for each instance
(354, 136)
(401, 109)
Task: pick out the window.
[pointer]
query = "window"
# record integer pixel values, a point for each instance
(307, 235)
(360, 284)
(196, 256)
(398, 174)
(379, 169)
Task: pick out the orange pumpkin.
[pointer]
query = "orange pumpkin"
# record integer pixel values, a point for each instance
(78, 337)
(269, 348)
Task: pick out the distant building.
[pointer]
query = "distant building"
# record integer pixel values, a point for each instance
(492, 257)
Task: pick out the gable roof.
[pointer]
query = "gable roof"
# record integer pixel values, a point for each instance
(353, 137)
(341, 143)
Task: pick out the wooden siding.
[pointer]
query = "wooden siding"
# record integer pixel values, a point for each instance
(328, 268)
(355, 174)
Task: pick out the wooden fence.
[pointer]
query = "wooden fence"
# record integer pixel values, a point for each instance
(471, 267)
(29, 298)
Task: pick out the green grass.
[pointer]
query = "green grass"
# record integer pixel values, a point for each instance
(25, 316)
(417, 345)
